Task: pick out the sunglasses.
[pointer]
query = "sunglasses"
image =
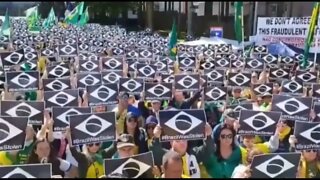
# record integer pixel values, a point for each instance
(132, 120)
(226, 136)
(93, 144)
(311, 150)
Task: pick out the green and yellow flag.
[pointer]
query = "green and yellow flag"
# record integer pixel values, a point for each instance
(238, 21)
(50, 21)
(173, 39)
(32, 17)
(73, 16)
(84, 17)
(312, 28)
(5, 28)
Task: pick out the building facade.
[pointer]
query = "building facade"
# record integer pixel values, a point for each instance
(271, 9)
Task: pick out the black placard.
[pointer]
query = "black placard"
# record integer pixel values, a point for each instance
(65, 98)
(60, 116)
(187, 82)
(13, 129)
(182, 124)
(92, 128)
(88, 79)
(54, 84)
(292, 108)
(133, 86)
(215, 93)
(22, 81)
(138, 166)
(158, 91)
(106, 94)
(258, 123)
(239, 79)
(306, 134)
(32, 109)
(26, 171)
(277, 165)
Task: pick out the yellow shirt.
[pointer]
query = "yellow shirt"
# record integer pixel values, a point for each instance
(42, 64)
(95, 170)
(5, 159)
(264, 148)
(121, 120)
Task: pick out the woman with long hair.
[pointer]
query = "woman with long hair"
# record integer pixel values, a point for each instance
(285, 129)
(309, 166)
(140, 138)
(90, 162)
(42, 152)
(227, 154)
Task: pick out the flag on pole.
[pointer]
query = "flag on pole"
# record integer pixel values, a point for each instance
(5, 28)
(31, 11)
(84, 17)
(247, 53)
(32, 17)
(73, 16)
(310, 36)
(51, 20)
(173, 39)
(238, 21)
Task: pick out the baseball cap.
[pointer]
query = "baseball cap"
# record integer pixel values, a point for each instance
(151, 120)
(125, 140)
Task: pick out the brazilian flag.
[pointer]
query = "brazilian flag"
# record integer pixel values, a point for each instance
(238, 21)
(173, 39)
(312, 28)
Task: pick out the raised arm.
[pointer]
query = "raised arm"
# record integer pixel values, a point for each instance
(208, 147)
(156, 147)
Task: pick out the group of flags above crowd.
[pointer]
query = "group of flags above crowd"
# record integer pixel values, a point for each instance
(78, 16)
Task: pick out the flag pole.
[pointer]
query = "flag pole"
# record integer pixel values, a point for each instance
(316, 51)
(242, 27)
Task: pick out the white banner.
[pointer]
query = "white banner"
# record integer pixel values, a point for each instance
(290, 30)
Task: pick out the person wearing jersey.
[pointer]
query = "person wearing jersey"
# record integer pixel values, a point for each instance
(266, 102)
(90, 160)
(21, 156)
(248, 143)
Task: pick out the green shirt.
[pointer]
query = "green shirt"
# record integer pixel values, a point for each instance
(223, 168)
(24, 154)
